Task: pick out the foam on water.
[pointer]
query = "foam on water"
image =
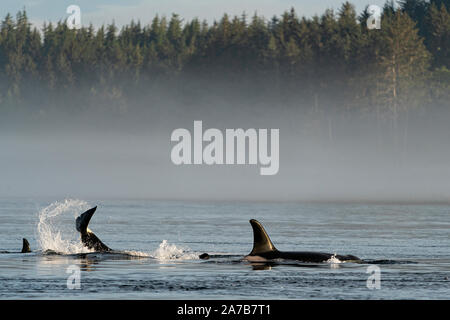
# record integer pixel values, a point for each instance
(56, 227)
(334, 260)
(168, 251)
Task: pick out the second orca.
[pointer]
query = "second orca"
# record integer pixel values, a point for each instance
(263, 250)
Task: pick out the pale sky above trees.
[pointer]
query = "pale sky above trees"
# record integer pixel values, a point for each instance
(100, 12)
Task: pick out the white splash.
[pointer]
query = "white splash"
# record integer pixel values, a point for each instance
(56, 227)
(56, 232)
(334, 260)
(168, 251)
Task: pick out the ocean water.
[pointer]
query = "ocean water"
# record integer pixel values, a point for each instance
(157, 244)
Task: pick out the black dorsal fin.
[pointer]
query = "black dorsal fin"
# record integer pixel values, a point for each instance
(25, 246)
(82, 221)
(261, 241)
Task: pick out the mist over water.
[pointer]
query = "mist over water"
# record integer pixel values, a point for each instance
(127, 155)
(91, 118)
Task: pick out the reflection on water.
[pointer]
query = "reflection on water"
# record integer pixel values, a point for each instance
(261, 266)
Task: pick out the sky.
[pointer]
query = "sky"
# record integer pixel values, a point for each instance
(100, 12)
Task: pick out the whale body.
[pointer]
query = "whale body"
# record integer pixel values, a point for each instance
(263, 250)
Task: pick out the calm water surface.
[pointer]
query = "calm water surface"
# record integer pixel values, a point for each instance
(163, 241)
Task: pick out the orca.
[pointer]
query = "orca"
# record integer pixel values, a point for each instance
(25, 246)
(204, 256)
(88, 238)
(263, 250)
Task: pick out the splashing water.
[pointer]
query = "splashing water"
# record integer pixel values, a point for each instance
(56, 227)
(334, 260)
(56, 232)
(168, 251)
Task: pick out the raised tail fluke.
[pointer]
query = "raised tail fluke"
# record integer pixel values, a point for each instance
(88, 238)
(261, 240)
(82, 221)
(25, 246)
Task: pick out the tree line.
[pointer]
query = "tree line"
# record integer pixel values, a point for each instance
(327, 64)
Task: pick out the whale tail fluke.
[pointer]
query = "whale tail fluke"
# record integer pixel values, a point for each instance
(88, 238)
(25, 246)
(261, 240)
(82, 221)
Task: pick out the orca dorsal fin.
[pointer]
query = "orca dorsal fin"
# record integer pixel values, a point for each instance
(82, 221)
(261, 240)
(25, 246)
